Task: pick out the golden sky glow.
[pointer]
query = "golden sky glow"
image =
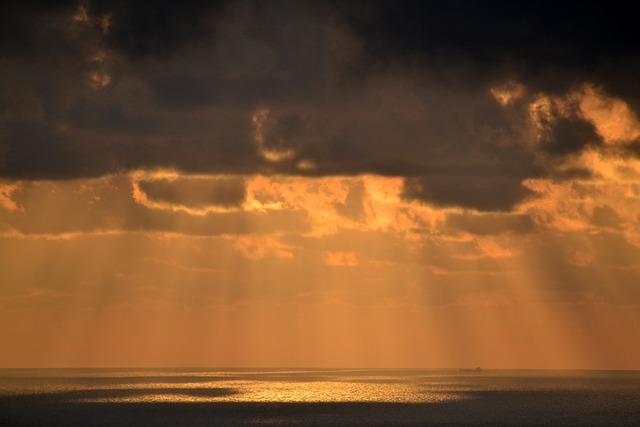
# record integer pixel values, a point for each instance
(333, 271)
(276, 186)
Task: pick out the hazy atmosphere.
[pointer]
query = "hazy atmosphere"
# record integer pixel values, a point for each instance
(319, 184)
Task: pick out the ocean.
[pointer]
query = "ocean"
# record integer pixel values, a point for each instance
(317, 397)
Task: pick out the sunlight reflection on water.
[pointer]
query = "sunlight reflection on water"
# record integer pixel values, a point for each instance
(283, 386)
(286, 392)
(233, 386)
(318, 397)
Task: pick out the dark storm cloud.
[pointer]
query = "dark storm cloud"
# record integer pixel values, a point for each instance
(197, 193)
(469, 46)
(34, 150)
(285, 133)
(40, 150)
(23, 24)
(148, 27)
(482, 192)
(391, 88)
(56, 122)
(570, 135)
(549, 43)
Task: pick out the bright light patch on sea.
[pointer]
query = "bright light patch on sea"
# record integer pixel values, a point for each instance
(338, 397)
(333, 389)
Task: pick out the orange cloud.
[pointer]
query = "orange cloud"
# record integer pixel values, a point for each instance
(257, 247)
(195, 194)
(261, 121)
(612, 117)
(362, 203)
(5, 196)
(507, 93)
(81, 16)
(99, 80)
(340, 259)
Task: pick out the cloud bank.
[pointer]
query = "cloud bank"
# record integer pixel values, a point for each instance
(438, 93)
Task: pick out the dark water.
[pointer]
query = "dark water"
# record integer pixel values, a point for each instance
(228, 397)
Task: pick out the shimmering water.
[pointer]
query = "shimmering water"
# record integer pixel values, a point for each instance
(221, 397)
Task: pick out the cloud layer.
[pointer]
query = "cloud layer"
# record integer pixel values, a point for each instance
(312, 88)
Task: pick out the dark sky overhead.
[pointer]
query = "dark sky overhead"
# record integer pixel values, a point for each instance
(389, 175)
(392, 88)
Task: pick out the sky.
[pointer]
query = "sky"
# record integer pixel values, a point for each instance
(424, 184)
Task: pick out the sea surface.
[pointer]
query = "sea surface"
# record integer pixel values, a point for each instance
(319, 397)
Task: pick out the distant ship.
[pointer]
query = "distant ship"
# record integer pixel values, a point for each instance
(471, 370)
